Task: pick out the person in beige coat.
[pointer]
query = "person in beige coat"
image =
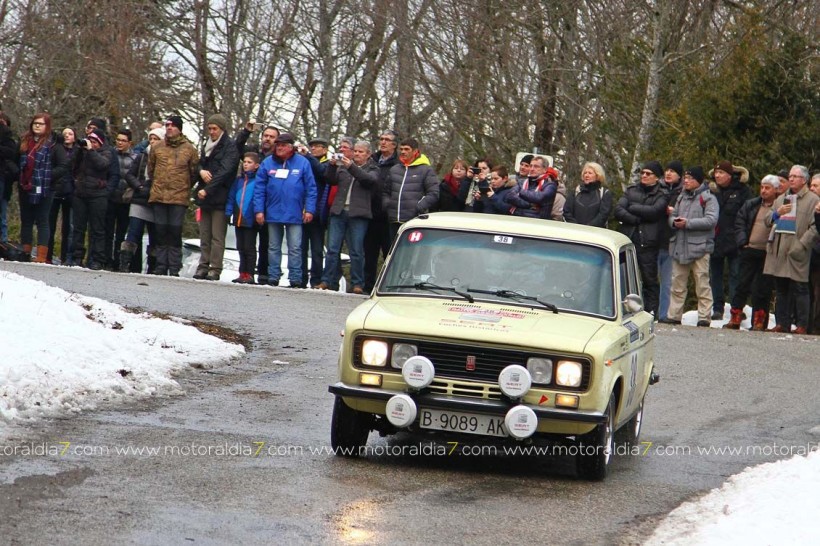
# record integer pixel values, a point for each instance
(789, 251)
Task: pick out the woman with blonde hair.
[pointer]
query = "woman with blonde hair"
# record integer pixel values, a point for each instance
(591, 202)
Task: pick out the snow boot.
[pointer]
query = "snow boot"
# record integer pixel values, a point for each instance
(42, 254)
(734, 320)
(127, 251)
(760, 319)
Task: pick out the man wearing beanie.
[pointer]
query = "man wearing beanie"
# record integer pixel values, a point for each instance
(731, 192)
(752, 234)
(218, 161)
(641, 211)
(672, 183)
(693, 219)
(172, 168)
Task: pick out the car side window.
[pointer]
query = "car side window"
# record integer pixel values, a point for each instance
(623, 274)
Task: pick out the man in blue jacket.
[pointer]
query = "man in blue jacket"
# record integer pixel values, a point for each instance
(286, 191)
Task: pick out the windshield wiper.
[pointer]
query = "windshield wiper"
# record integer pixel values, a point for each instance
(424, 285)
(512, 294)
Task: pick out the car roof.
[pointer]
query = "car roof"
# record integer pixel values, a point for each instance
(514, 225)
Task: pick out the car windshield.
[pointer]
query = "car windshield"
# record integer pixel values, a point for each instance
(511, 269)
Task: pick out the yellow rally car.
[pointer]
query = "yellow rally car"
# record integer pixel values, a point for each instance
(505, 327)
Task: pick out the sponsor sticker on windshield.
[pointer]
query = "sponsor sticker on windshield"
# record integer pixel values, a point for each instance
(415, 236)
(503, 239)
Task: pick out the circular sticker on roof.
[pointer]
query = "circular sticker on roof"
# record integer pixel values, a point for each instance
(521, 422)
(415, 236)
(401, 410)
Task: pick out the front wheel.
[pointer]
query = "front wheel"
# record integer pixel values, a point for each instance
(349, 429)
(595, 449)
(629, 435)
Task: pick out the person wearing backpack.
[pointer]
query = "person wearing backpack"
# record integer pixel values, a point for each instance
(693, 220)
(591, 202)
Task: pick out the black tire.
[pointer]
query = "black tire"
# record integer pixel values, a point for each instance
(630, 434)
(596, 448)
(349, 429)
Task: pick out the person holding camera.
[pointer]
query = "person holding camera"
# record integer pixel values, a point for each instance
(479, 185)
(92, 171)
(693, 220)
(350, 214)
(492, 200)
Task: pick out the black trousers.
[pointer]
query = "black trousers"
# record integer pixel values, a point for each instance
(313, 242)
(89, 213)
(752, 281)
(792, 297)
(116, 226)
(376, 241)
(648, 264)
(60, 204)
(168, 221)
(264, 243)
(246, 246)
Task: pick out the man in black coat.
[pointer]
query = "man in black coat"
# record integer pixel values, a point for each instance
(377, 239)
(218, 162)
(731, 192)
(641, 211)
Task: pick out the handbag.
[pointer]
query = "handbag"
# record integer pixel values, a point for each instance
(128, 194)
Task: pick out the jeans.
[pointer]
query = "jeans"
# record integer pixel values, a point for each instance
(352, 230)
(665, 269)
(716, 279)
(294, 235)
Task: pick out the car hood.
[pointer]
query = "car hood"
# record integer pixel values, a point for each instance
(480, 322)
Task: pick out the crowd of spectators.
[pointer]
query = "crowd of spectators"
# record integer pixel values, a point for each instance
(682, 221)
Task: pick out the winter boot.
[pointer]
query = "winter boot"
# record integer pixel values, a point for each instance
(734, 321)
(42, 254)
(27, 251)
(151, 260)
(127, 251)
(760, 319)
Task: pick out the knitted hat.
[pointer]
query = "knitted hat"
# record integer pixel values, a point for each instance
(676, 166)
(655, 167)
(219, 120)
(176, 121)
(97, 136)
(696, 172)
(725, 166)
(158, 132)
(99, 123)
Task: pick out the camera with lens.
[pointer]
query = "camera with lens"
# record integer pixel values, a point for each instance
(483, 187)
(82, 142)
(337, 156)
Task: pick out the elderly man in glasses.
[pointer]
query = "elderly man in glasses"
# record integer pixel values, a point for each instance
(641, 211)
(789, 251)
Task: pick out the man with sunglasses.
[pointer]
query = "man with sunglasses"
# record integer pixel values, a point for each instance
(641, 211)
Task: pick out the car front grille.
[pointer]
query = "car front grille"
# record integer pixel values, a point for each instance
(455, 360)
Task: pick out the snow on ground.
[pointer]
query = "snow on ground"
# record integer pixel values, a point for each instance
(63, 353)
(690, 318)
(770, 504)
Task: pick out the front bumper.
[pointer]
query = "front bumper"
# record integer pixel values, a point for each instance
(465, 404)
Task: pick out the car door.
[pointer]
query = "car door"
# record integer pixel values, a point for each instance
(640, 325)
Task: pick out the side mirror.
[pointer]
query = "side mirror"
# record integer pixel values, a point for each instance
(633, 303)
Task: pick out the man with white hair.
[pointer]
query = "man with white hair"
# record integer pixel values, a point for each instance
(751, 234)
(789, 251)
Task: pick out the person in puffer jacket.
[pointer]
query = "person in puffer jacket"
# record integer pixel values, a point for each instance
(239, 208)
(94, 185)
(693, 220)
(591, 203)
(412, 187)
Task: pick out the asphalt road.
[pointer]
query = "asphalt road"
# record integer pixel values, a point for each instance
(265, 420)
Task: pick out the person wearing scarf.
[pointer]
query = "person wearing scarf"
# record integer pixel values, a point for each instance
(41, 164)
(412, 188)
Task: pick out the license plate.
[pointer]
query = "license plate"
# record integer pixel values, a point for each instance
(456, 421)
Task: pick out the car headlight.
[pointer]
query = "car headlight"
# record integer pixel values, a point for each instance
(540, 369)
(401, 352)
(374, 352)
(568, 373)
